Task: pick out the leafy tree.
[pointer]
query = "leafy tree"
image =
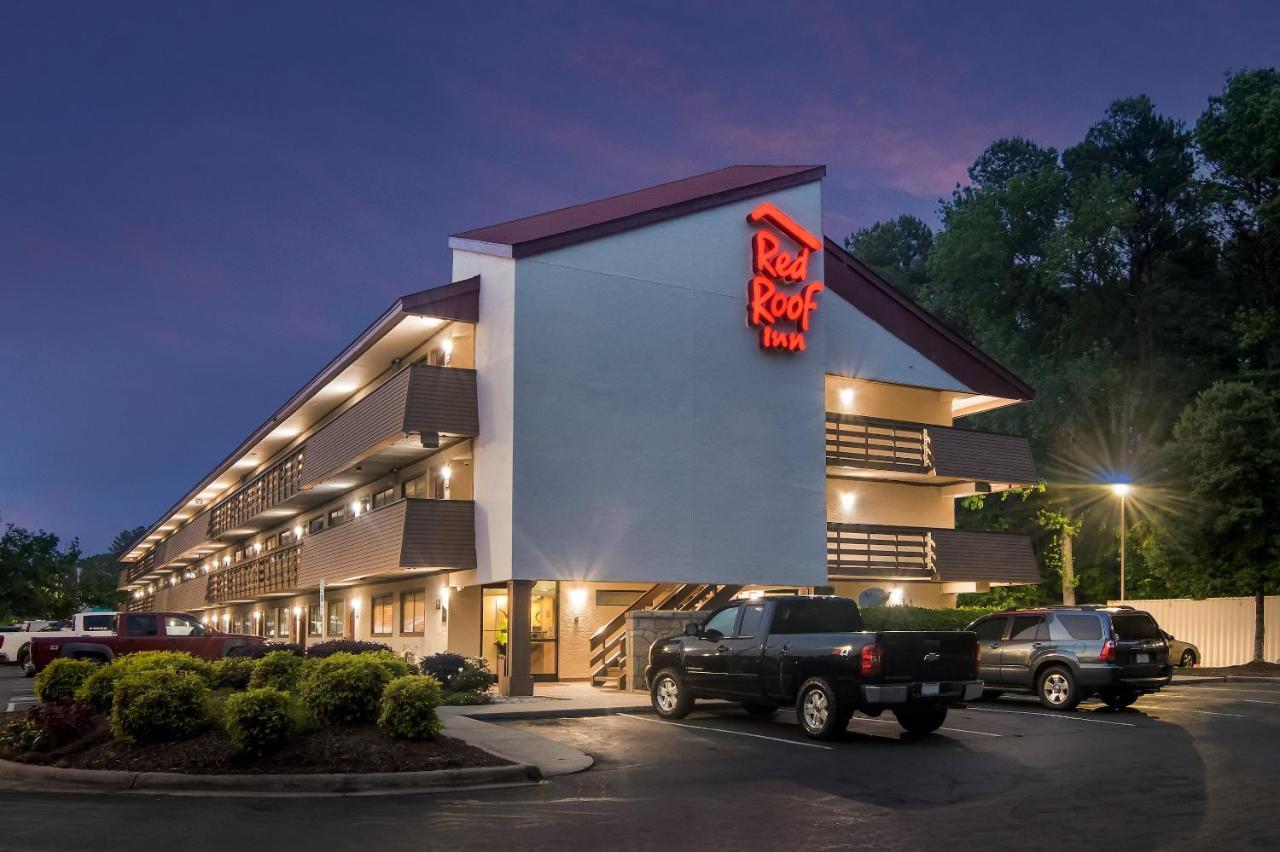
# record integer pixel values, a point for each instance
(1240, 136)
(1226, 448)
(97, 575)
(37, 578)
(895, 249)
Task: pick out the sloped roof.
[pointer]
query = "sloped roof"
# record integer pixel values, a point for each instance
(855, 282)
(581, 222)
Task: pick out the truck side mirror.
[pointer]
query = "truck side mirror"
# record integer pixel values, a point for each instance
(693, 629)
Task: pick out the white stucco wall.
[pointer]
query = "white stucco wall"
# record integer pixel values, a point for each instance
(654, 441)
(495, 382)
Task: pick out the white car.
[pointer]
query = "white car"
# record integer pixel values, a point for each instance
(15, 646)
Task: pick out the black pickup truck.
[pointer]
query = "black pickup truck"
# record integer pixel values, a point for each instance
(810, 652)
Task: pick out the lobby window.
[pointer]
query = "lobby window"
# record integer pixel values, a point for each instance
(383, 497)
(416, 487)
(337, 516)
(383, 615)
(316, 524)
(335, 618)
(413, 613)
(315, 620)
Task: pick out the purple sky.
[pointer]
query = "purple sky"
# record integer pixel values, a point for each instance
(198, 209)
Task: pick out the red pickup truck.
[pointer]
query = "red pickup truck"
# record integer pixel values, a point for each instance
(141, 631)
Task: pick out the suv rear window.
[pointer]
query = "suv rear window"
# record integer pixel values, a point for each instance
(1079, 627)
(816, 616)
(1134, 627)
(99, 622)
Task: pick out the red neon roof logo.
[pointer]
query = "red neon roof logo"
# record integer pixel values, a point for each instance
(774, 268)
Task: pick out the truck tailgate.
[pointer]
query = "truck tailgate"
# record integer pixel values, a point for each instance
(927, 655)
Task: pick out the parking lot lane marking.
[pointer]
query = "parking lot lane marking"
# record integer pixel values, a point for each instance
(726, 731)
(955, 730)
(1063, 716)
(1228, 689)
(1164, 708)
(1256, 701)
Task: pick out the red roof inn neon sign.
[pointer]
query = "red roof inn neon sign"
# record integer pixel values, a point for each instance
(773, 271)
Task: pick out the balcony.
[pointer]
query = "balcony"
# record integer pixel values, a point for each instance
(275, 572)
(270, 488)
(865, 552)
(405, 535)
(941, 455)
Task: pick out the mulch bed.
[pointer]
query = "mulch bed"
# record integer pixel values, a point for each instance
(1251, 669)
(359, 749)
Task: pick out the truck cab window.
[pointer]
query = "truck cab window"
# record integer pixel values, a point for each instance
(140, 625)
(178, 625)
(752, 616)
(721, 623)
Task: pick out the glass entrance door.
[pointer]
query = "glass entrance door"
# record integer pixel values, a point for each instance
(544, 613)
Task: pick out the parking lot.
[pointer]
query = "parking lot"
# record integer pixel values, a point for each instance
(1191, 767)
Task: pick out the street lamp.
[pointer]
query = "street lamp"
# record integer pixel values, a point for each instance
(1121, 490)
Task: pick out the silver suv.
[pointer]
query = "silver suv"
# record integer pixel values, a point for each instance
(1067, 654)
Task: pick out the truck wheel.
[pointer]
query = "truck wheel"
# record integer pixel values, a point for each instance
(670, 698)
(762, 710)
(1056, 688)
(921, 719)
(818, 711)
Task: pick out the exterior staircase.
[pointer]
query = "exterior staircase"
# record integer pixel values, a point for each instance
(609, 643)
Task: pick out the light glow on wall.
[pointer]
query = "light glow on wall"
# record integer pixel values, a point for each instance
(847, 396)
(577, 598)
(895, 596)
(848, 500)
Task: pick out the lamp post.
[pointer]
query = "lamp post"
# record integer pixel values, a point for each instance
(1121, 490)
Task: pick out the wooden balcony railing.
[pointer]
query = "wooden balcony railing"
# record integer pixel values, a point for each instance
(275, 572)
(274, 485)
(142, 604)
(877, 444)
(860, 550)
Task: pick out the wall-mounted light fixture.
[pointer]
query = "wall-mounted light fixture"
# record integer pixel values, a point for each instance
(578, 598)
(847, 396)
(847, 501)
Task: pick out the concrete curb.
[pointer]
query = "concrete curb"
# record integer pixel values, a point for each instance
(104, 780)
(552, 713)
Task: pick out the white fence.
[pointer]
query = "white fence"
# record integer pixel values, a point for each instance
(1222, 628)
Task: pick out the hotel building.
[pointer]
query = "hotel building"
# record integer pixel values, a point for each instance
(659, 400)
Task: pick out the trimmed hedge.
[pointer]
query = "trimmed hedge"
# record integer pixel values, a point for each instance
(158, 706)
(231, 673)
(258, 721)
(918, 618)
(278, 670)
(257, 652)
(60, 680)
(392, 665)
(343, 646)
(343, 689)
(466, 699)
(457, 673)
(407, 709)
(99, 688)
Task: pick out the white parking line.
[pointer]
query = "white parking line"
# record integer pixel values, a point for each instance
(1256, 701)
(1066, 717)
(724, 731)
(1164, 708)
(1193, 690)
(956, 730)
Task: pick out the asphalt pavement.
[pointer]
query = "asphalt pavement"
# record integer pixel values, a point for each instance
(1192, 767)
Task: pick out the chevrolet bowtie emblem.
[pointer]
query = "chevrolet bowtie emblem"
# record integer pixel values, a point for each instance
(932, 657)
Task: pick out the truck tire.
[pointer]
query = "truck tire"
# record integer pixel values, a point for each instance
(671, 698)
(819, 712)
(921, 719)
(1056, 688)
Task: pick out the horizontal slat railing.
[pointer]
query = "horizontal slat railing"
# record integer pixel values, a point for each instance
(860, 550)
(274, 485)
(868, 442)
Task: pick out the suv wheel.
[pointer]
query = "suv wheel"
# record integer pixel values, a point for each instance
(921, 719)
(1188, 659)
(1056, 688)
(819, 713)
(670, 698)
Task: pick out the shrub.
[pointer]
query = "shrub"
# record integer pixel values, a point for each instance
(408, 707)
(61, 723)
(466, 699)
(457, 673)
(344, 646)
(917, 618)
(99, 688)
(342, 689)
(277, 670)
(23, 734)
(392, 665)
(257, 652)
(231, 673)
(59, 680)
(259, 721)
(158, 705)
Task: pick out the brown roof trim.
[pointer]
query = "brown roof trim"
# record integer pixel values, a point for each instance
(459, 300)
(581, 222)
(855, 282)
